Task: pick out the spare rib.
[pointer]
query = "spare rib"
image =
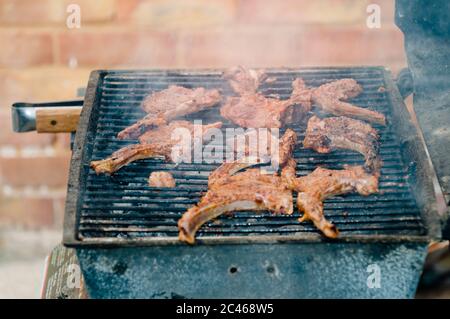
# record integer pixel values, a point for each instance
(323, 183)
(169, 104)
(158, 142)
(326, 135)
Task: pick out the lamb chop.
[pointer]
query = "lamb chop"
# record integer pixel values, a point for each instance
(326, 135)
(161, 179)
(249, 190)
(323, 183)
(330, 96)
(171, 103)
(230, 191)
(158, 142)
(253, 109)
(245, 81)
(278, 154)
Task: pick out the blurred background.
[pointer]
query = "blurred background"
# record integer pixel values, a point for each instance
(42, 59)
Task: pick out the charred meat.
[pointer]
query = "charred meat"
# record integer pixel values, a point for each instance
(158, 142)
(161, 179)
(169, 104)
(323, 183)
(326, 135)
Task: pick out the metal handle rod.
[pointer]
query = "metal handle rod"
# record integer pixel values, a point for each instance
(24, 114)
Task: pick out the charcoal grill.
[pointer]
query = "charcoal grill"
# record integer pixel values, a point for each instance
(126, 232)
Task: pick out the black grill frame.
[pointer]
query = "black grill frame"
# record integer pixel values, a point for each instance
(421, 174)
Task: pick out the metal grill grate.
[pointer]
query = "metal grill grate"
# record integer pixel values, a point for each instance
(123, 206)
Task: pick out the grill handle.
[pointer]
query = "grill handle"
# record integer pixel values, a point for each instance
(51, 117)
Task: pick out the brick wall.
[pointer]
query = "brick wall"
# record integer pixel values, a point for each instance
(41, 59)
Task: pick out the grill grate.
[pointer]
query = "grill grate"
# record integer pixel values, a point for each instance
(124, 206)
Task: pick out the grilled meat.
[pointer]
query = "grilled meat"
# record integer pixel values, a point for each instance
(256, 111)
(254, 143)
(161, 179)
(326, 135)
(228, 169)
(287, 146)
(171, 103)
(164, 133)
(249, 190)
(129, 154)
(230, 191)
(244, 81)
(301, 96)
(323, 183)
(331, 96)
(279, 157)
(158, 142)
(252, 109)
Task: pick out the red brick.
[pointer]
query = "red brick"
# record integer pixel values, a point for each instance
(24, 12)
(93, 11)
(268, 46)
(126, 9)
(32, 213)
(387, 11)
(34, 171)
(59, 205)
(287, 46)
(106, 48)
(350, 45)
(302, 11)
(40, 85)
(43, 12)
(24, 49)
(177, 13)
(12, 139)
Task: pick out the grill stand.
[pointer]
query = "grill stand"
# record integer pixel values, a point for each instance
(306, 269)
(318, 270)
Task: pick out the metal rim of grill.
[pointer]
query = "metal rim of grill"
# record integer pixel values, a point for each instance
(123, 209)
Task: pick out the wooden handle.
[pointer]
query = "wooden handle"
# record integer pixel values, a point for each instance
(54, 119)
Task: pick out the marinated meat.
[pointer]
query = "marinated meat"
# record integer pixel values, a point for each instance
(323, 183)
(249, 190)
(158, 142)
(257, 111)
(161, 179)
(301, 96)
(171, 103)
(129, 154)
(331, 98)
(286, 146)
(252, 109)
(244, 81)
(230, 190)
(326, 135)
(251, 143)
(280, 157)
(164, 133)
